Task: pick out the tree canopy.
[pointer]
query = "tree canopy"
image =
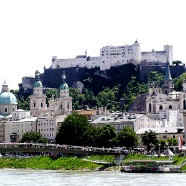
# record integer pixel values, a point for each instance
(155, 76)
(127, 137)
(34, 137)
(149, 139)
(73, 130)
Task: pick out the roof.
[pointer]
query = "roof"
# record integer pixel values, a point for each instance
(86, 112)
(161, 130)
(118, 119)
(167, 72)
(64, 86)
(38, 84)
(138, 105)
(7, 98)
(26, 120)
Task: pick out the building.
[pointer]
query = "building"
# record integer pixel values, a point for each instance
(121, 120)
(164, 103)
(163, 133)
(20, 123)
(8, 101)
(2, 132)
(115, 56)
(49, 118)
(48, 125)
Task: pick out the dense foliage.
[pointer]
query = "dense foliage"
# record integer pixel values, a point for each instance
(34, 137)
(149, 139)
(127, 137)
(75, 130)
(179, 81)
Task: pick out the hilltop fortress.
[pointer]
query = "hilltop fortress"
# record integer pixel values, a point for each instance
(111, 56)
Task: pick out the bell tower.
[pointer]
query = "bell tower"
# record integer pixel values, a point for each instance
(37, 99)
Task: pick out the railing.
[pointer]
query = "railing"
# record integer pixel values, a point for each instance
(43, 147)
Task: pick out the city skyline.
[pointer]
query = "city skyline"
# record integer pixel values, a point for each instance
(34, 31)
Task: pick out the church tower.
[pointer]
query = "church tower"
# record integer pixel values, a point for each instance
(167, 81)
(37, 99)
(65, 100)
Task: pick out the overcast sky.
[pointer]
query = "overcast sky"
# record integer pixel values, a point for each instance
(32, 31)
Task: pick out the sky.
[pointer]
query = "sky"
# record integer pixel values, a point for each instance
(32, 31)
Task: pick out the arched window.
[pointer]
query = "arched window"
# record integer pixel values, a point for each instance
(6, 110)
(68, 106)
(170, 106)
(41, 104)
(34, 104)
(61, 106)
(150, 107)
(184, 104)
(161, 108)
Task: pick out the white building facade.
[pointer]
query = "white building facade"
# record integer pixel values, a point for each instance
(114, 56)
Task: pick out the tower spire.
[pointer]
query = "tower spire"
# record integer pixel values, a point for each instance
(167, 72)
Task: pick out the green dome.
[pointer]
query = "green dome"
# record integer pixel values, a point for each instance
(64, 86)
(38, 84)
(7, 98)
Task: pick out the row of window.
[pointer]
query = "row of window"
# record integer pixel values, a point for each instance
(49, 129)
(45, 124)
(47, 135)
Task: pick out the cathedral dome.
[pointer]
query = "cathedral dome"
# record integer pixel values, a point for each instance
(38, 84)
(64, 86)
(7, 98)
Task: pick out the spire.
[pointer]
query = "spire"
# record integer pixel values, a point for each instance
(37, 80)
(5, 87)
(64, 77)
(64, 85)
(167, 72)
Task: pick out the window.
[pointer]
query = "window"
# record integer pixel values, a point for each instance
(41, 104)
(34, 104)
(6, 110)
(150, 107)
(184, 104)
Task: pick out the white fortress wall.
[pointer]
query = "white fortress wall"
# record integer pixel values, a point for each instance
(115, 56)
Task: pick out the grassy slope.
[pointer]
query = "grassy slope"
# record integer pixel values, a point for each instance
(73, 163)
(44, 162)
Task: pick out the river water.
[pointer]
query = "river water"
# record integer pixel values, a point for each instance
(25, 177)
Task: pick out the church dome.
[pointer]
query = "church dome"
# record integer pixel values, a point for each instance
(7, 98)
(64, 86)
(38, 84)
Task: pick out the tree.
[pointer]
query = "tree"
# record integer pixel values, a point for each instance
(24, 103)
(106, 136)
(177, 62)
(149, 139)
(127, 137)
(73, 130)
(34, 137)
(179, 81)
(52, 93)
(133, 88)
(155, 76)
(172, 142)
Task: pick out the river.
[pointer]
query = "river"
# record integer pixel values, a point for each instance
(25, 177)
